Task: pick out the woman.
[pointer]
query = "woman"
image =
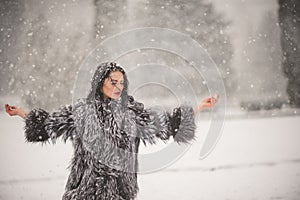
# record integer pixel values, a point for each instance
(106, 129)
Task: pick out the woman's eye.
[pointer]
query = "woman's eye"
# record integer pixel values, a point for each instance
(114, 82)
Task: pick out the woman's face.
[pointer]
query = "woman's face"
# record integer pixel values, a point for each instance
(113, 85)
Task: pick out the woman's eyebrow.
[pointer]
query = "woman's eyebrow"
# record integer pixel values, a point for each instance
(115, 79)
(112, 79)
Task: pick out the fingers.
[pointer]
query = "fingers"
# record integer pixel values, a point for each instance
(6, 107)
(209, 102)
(215, 98)
(211, 98)
(11, 110)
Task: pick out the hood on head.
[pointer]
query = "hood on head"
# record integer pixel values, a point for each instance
(101, 73)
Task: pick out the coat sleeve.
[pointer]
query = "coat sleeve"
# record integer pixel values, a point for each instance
(41, 125)
(153, 124)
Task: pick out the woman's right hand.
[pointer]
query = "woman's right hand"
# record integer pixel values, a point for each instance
(13, 110)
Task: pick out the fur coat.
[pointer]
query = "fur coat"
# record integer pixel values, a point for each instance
(106, 138)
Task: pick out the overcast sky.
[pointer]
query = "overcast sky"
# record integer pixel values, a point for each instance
(246, 16)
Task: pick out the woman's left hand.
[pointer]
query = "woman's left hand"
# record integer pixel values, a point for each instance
(208, 102)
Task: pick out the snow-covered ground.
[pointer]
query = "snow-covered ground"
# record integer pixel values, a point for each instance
(256, 158)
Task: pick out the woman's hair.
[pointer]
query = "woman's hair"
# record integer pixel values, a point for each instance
(102, 72)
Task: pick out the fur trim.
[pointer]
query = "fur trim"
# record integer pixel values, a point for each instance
(61, 123)
(152, 125)
(35, 126)
(40, 125)
(186, 131)
(155, 124)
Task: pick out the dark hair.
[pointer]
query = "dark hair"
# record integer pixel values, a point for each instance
(102, 72)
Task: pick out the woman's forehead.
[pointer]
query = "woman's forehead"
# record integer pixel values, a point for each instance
(117, 75)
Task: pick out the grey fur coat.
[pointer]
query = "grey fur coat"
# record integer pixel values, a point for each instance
(106, 136)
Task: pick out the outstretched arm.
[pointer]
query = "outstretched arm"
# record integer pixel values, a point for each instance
(15, 111)
(41, 125)
(208, 102)
(156, 124)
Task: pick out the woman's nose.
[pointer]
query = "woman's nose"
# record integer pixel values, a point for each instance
(119, 86)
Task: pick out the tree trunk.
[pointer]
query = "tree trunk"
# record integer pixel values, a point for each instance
(289, 20)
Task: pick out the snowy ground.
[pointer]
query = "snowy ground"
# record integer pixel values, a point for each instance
(256, 158)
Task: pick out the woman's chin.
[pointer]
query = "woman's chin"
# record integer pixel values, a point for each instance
(116, 97)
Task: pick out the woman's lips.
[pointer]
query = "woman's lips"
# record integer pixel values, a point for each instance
(117, 93)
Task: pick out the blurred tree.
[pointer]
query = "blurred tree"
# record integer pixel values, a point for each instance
(11, 20)
(289, 20)
(110, 18)
(196, 18)
(44, 76)
(49, 45)
(264, 56)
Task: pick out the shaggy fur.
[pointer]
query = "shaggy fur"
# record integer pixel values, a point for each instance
(106, 135)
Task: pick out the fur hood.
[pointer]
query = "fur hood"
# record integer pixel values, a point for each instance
(106, 135)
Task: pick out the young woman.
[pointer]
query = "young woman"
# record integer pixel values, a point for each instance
(106, 129)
